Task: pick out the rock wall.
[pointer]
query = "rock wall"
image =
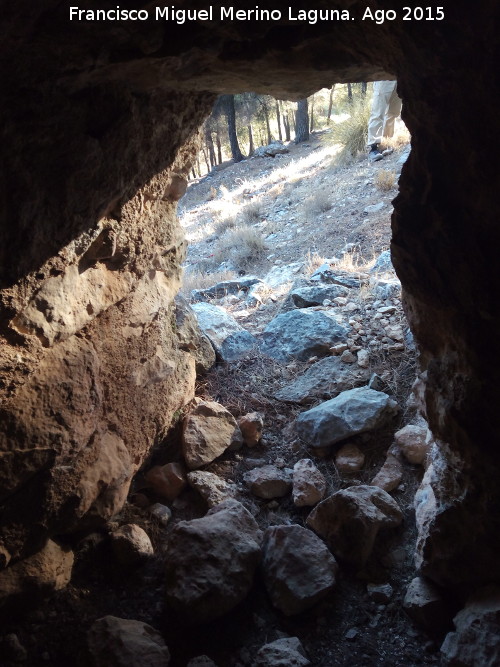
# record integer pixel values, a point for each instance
(99, 126)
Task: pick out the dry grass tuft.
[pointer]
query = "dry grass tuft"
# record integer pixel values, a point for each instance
(401, 138)
(251, 212)
(199, 279)
(312, 262)
(352, 133)
(319, 202)
(385, 179)
(241, 245)
(224, 224)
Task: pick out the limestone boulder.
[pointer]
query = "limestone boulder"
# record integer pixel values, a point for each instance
(225, 288)
(349, 458)
(210, 562)
(425, 605)
(271, 150)
(301, 334)
(268, 482)
(285, 652)
(298, 569)
(350, 520)
(229, 339)
(208, 430)
(309, 484)
(304, 297)
(190, 336)
(412, 440)
(476, 639)
(212, 488)
(325, 379)
(351, 412)
(28, 581)
(131, 545)
(251, 426)
(390, 474)
(121, 642)
(167, 481)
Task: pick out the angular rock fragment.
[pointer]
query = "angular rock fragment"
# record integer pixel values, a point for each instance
(476, 640)
(208, 430)
(35, 577)
(424, 604)
(120, 642)
(323, 380)
(190, 336)
(251, 426)
(309, 484)
(390, 474)
(301, 334)
(131, 545)
(304, 297)
(211, 487)
(167, 481)
(230, 340)
(350, 520)
(349, 458)
(298, 569)
(411, 440)
(268, 482)
(286, 652)
(351, 412)
(211, 561)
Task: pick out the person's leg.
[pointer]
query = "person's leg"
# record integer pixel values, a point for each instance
(377, 113)
(393, 110)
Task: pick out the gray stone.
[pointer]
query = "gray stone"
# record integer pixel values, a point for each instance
(302, 334)
(210, 562)
(298, 569)
(190, 336)
(229, 339)
(351, 412)
(476, 640)
(162, 513)
(225, 288)
(281, 275)
(131, 545)
(268, 482)
(201, 661)
(325, 275)
(374, 208)
(286, 652)
(120, 642)
(383, 263)
(325, 379)
(380, 593)
(385, 289)
(350, 520)
(271, 150)
(303, 297)
(309, 484)
(426, 606)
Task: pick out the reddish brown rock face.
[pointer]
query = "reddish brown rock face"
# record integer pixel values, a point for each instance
(100, 124)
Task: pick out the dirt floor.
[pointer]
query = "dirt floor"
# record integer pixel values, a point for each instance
(348, 627)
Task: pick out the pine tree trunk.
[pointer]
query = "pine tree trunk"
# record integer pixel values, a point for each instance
(330, 105)
(219, 147)
(206, 158)
(268, 125)
(231, 127)
(301, 122)
(311, 127)
(210, 145)
(286, 123)
(278, 118)
(251, 147)
(349, 93)
(364, 87)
